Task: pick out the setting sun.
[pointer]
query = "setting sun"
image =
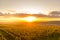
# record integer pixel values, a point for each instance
(29, 19)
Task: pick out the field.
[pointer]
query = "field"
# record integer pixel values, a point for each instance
(30, 31)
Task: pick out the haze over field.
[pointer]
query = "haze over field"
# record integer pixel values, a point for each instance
(29, 19)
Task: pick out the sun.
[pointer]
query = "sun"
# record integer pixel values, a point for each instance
(30, 18)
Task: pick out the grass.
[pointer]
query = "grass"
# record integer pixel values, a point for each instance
(31, 31)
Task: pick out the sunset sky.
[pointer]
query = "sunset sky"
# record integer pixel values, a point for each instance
(30, 6)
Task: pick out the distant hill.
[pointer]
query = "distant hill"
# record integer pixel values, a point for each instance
(25, 15)
(54, 14)
(48, 23)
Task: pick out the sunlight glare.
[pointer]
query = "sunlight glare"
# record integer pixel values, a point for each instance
(30, 18)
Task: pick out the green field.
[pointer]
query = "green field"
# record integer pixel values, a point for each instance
(30, 31)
